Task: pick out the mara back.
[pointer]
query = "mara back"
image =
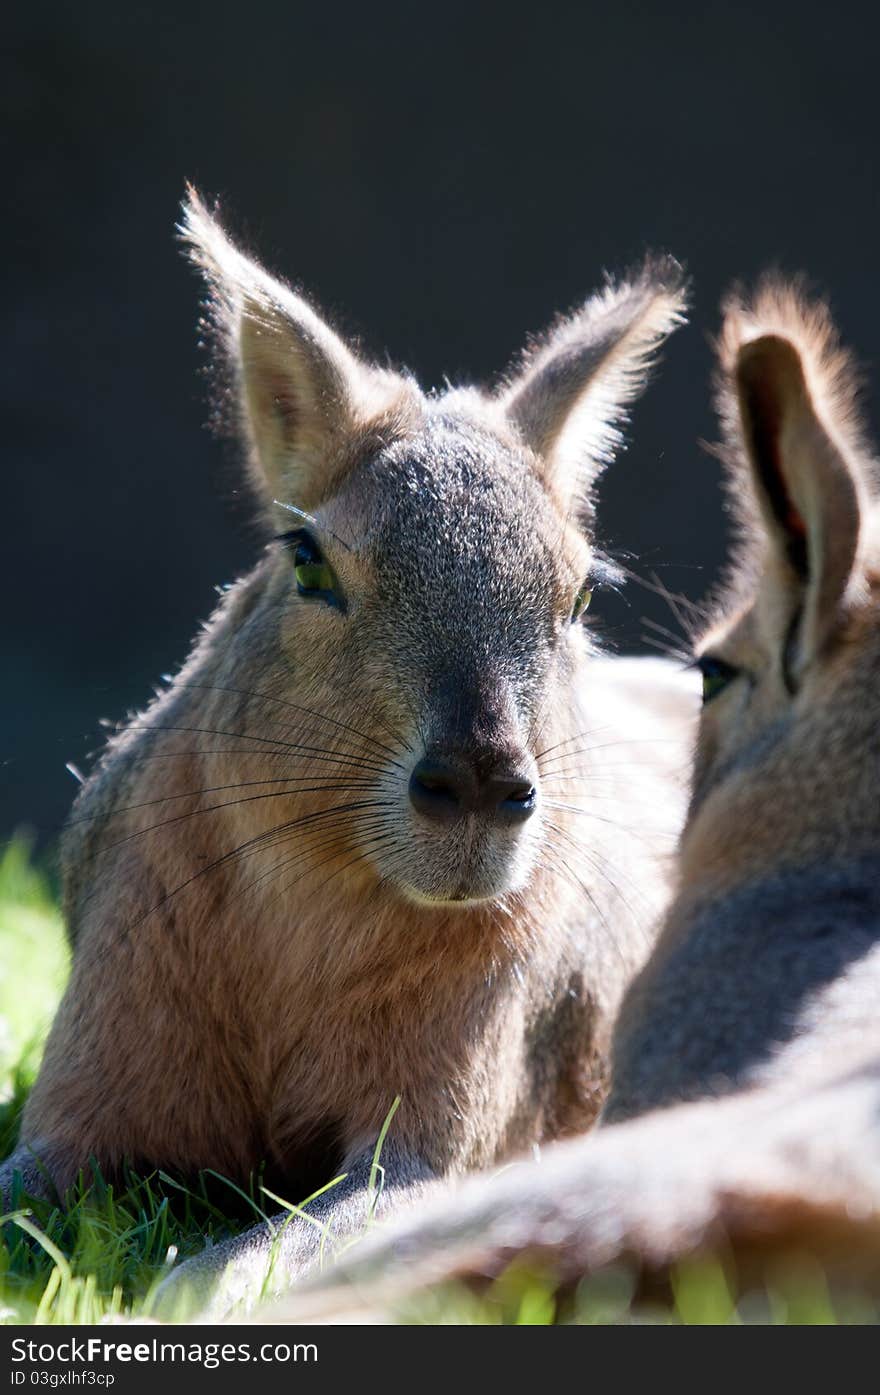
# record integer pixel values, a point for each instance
(744, 1111)
(394, 829)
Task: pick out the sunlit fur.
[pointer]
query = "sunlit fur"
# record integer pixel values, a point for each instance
(744, 1114)
(269, 943)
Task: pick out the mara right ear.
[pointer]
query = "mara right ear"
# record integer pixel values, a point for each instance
(572, 390)
(303, 394)
(793, 393)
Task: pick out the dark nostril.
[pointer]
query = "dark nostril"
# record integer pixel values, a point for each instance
(437, 791)
(514, 799)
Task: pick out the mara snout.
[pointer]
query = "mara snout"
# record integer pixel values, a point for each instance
(471, 811)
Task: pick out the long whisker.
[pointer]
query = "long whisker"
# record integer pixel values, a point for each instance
(231, 804)
(614, 823)
(261, 838)
(295, 780)
(296, 707)
(338, 839)
(590, 793)
(360, 857)
(613, 745)
(603, 870)
(598, 866)
(672, 651)
(566, 870)
(661, 629)
(601, 866)
(606, 772)
(672, 599)
(579, 736)
(353, 761)
(292, 831)
(674, 602)
(320, 752)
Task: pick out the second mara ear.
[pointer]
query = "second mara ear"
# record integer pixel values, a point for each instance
(800, 470)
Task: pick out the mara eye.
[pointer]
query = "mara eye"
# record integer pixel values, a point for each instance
(314, 575)
(716, 676)
(581, 602)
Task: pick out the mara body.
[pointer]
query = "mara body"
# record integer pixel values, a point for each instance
(395, 829)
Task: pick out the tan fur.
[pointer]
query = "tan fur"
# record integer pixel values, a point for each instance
(759, 1001)
(269, 944)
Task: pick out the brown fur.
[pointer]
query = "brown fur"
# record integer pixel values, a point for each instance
(759, 1001)
(269, 945)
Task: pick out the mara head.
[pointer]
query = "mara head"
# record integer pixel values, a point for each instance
(787, 753)
(422, 602)
(777, 898)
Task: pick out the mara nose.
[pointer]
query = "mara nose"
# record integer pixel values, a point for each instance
(444, 791)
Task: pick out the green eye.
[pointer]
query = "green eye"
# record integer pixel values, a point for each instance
(581, 602)
(314, 575)
(716, 676)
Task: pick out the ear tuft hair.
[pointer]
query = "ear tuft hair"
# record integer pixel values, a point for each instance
(304, 398)
(783, 307)
(798, 469)
(234, 280)
(570, 392)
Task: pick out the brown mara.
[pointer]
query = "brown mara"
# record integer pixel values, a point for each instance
(396, 829)
(744, 1114)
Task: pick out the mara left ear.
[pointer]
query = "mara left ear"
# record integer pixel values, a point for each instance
(304, 395)
(569, 399)
(806, 477)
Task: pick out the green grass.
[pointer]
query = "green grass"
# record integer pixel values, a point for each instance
(104, 1255)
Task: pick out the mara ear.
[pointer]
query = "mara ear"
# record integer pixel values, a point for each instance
(303, 395)
(569, 398)
(806, 477)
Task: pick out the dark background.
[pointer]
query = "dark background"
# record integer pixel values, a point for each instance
(444, 178)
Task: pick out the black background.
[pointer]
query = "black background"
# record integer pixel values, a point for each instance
(444, 178)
